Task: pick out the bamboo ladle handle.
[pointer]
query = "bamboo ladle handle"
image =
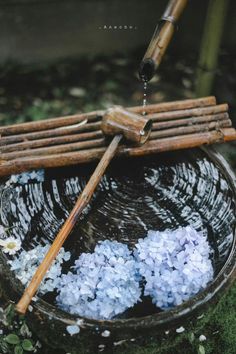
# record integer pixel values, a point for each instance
(81, 203)
(120, 122)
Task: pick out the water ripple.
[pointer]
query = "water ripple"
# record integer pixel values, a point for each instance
(134, 196)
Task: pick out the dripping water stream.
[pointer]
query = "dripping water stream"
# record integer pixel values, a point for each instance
(144, 105)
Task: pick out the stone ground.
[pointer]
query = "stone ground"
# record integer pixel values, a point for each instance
(32, 93)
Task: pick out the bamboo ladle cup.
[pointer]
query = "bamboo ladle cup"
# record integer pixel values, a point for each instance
(116, 121)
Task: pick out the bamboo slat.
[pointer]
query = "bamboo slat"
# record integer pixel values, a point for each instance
(170, 130)
(86, 156)
(78, 118)
(76, 139)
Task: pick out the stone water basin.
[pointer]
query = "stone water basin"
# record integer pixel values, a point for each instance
(194, 187)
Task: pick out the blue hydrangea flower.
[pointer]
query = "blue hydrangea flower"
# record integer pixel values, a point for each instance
(104, 284)
(174, 264)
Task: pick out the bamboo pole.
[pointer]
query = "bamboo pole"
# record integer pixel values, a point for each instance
(176, 105)
(191, 112)
(210, 45)
(50, 133)
(159, 129)
(86, 156)
(53, 123)
(191, 129)
(94, 126)
(186, 142)
(189, 121)
(54, 149)
(84, 141)
(52, 141)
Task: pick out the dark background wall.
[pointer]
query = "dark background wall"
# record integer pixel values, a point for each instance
(35, 31)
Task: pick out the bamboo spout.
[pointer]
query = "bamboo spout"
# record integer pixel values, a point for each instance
(161, 39)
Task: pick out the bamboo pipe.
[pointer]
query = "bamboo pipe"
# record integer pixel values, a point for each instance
(176, 105)
(186, 142)
(101, 142)
(93, 154)
(161, 39)
(122, 123)
(91, 136)
(160, 129)
(58, 149)
(96, 134)
(191, 129)
(189, 121)
(52, 141)
(201, 111)
(53, 123)
(50, 133)
(88, 127)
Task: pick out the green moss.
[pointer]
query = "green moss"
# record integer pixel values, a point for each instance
(218, 325)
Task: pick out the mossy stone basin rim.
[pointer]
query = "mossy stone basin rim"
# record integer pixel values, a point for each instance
(50, 322)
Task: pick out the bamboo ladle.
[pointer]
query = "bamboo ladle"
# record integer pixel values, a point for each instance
(116, 121)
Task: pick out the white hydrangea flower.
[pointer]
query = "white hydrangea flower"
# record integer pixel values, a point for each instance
(10, 245)
(27, 263)
(180, 329)
(105, 283)
(174, 264)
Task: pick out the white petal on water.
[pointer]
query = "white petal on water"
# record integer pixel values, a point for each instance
(180, 329)
(73, 329)
(106, 333)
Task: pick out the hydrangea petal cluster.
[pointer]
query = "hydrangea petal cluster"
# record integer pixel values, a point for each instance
(25, 177)
(105, 282)
(174, 264)
(28, 261)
